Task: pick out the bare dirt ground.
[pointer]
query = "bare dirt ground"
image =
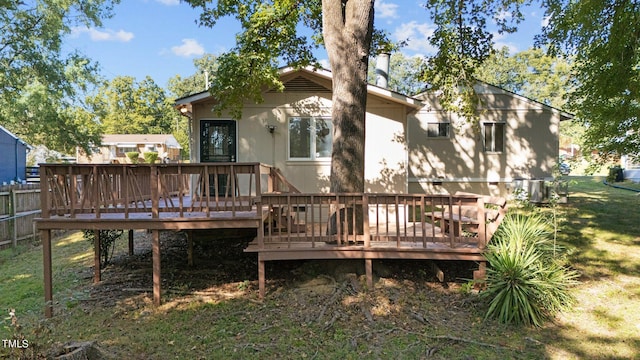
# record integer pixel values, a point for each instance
(220, 262)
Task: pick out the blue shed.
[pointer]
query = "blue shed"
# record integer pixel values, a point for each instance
(13, 157)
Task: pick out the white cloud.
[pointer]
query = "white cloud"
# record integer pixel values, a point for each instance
(500, 41)
(545, 21)
(103, 35)
(386, 10)
(189, 47)
(169, 2)
(416, 35)
(325, 64)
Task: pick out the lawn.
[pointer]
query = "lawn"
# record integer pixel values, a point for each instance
(212, 310)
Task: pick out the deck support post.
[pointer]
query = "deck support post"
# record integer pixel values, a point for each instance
(155, 249)
(45, 235)
(131, 242)
(261, 285)
(190, 247)
(479, 276)
(96, 257)
(368, 269)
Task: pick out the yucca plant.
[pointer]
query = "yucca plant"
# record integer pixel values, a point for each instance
(526, 282)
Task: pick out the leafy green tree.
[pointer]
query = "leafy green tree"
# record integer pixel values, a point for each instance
(39, 85)
(603, 37)
(404, 73)
(206, 69)
(464, 42)
(531, 73)
(125, 106)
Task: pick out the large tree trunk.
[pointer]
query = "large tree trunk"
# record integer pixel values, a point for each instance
(347, 31)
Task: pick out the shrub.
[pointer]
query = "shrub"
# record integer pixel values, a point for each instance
(150, 157)
(526, 283)
(133, 156)
(107, 243)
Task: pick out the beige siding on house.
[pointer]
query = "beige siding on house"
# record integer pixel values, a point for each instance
(399, 156)
(385, 148)
(461, 163)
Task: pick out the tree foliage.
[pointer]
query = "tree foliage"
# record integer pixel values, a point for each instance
(126, 106)
(531, 73)
(404, 73)
(464, 41)
(269, 36)
(39, 85)
(206, 68)
(606, 79)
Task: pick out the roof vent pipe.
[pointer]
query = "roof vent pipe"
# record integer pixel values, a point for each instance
(382, 70)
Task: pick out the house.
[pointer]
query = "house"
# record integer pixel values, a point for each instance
(14, 157)
(413, 151)
(115, 147)
(631, 168)
(412, 144)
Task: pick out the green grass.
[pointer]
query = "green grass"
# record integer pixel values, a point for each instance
(399, 318)
(629, 184)
(602, 230)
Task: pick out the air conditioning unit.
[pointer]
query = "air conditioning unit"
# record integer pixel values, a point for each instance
(537, 190)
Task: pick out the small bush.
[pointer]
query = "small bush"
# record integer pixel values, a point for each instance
(527, 283)
(107, 243)
(133, 156)
(150, 157)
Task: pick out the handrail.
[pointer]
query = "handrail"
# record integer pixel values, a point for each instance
(70, 190)
(367, 219)
(280, 182)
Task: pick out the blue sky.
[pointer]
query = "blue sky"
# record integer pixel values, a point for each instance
(160, 38)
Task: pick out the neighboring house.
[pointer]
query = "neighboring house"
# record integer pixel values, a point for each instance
(115, 147)
(631, 168)
(14, 157)
(412, 145)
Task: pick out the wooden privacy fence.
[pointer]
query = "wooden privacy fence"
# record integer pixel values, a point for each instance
(19, 205)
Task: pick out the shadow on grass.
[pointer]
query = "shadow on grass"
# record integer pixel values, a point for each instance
(602, 235)
(601, 225)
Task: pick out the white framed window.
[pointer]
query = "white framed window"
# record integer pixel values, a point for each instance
(493, 134)
(125, 149)
(440, 130)
(310, 138)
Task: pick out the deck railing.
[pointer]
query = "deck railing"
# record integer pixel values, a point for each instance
(70, 190)
(409, 220)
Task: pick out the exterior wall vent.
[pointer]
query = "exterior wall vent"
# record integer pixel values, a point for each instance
(302, 84)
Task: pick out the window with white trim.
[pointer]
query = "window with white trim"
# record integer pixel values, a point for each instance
(310, 138)
(493, 134)
(438, 130)
(126, 148)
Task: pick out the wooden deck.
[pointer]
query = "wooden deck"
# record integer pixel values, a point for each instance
(289, 225)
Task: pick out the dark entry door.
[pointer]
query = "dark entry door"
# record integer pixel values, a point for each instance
(218, 144)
